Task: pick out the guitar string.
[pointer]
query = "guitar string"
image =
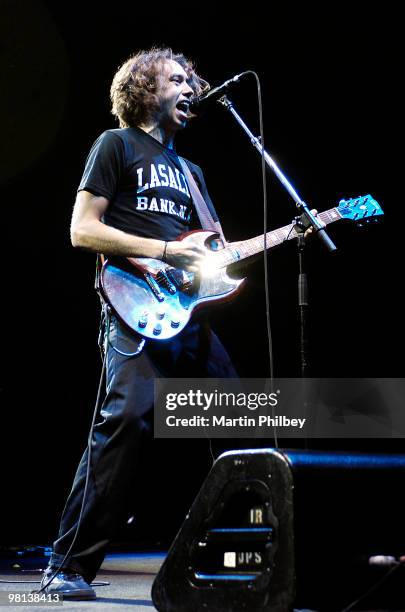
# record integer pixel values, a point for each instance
(250, 247)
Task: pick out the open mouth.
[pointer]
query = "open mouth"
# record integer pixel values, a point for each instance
(183, 107)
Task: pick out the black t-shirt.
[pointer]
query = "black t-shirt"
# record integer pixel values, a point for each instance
(144, 182)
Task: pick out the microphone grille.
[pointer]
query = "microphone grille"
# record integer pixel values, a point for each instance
(382, 560)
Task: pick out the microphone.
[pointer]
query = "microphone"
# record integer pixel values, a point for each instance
(383, 560)
(214, 94)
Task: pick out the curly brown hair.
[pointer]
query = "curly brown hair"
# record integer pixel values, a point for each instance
(133, 90)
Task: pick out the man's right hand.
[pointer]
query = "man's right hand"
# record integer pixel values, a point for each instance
(183, 256)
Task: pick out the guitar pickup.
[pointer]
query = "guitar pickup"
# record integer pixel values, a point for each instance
(180, 278)
(154, 287)
(165, 281)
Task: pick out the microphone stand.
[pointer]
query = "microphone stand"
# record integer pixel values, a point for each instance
(304, 215)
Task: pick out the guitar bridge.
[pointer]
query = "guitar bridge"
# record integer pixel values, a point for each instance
(154, 287)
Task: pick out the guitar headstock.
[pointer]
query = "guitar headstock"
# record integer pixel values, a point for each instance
(357, 209)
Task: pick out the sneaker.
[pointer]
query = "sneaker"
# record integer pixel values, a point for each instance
(68, 584)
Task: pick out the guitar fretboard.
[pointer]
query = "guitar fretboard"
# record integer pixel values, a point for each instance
(247, 248)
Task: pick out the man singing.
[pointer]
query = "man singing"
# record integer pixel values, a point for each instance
(133, 201)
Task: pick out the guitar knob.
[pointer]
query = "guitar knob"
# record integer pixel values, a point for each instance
(157, 329)
(143, 321)
(175, 323)
(160, 314)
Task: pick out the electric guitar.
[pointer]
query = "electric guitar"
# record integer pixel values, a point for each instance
(157, 300)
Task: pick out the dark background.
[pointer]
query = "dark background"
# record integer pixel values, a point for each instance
(329, 86)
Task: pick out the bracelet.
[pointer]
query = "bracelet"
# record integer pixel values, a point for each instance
(164, 253)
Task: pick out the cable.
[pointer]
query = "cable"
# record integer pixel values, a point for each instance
(107, 317)
(138, 350)
(265, 260)
(266, 273)
(85, 486)
(87, 478)
(374, 587)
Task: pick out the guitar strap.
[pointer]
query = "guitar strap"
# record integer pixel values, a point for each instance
(205, 215)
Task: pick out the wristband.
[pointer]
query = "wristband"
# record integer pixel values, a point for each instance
(164, 253)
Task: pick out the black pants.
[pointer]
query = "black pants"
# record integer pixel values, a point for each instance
(120, 429)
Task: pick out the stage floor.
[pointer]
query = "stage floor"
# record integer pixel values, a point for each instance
(129, 578)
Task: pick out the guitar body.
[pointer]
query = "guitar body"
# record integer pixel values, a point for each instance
(155, 299)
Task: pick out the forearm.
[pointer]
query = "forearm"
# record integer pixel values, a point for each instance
(97, 237)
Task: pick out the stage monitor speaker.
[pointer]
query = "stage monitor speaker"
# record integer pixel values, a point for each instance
(270, 530)
(235, 550)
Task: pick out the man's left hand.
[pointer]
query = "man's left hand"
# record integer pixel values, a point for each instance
(310, 230)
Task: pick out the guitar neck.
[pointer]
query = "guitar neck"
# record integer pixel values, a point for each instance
(242, 250)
